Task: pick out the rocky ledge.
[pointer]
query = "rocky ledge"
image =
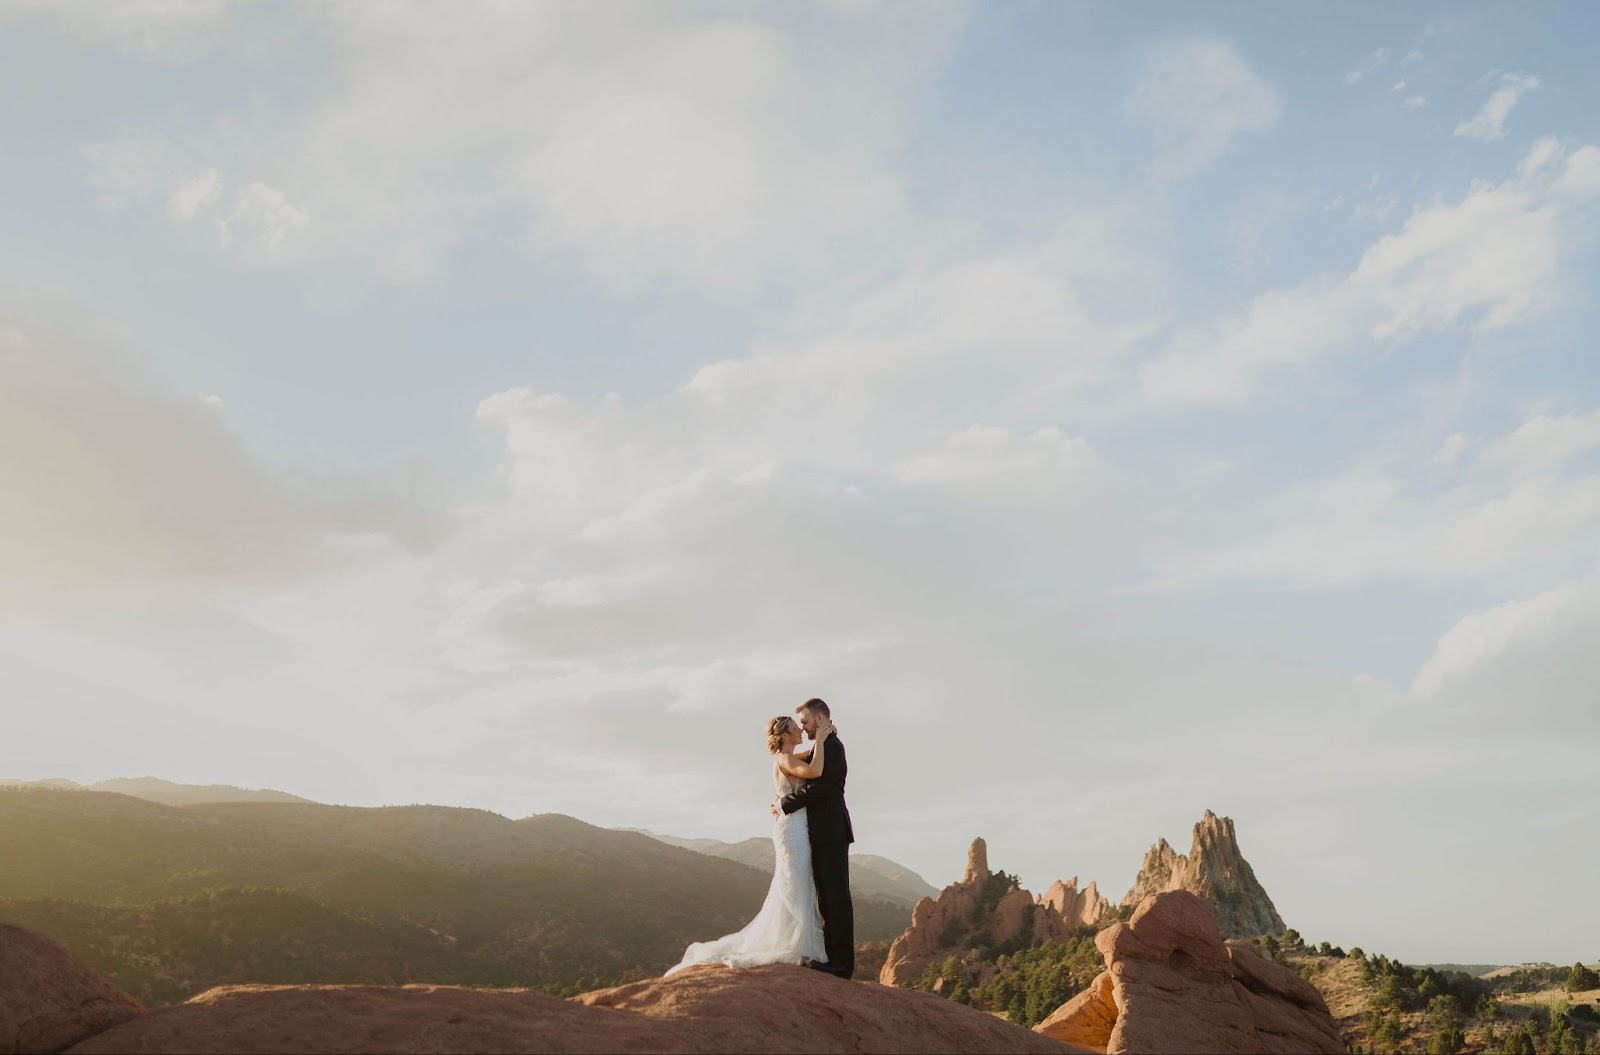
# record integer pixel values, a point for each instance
(51, 1002)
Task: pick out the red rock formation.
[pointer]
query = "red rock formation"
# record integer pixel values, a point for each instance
(406, 1020)
(961, 918)
(1217, 873)
(1079, 908)
(49, 999)
(710, 1009)
(1172, 984)
(776, 1009)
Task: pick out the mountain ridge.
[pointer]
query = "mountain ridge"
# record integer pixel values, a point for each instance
(145, 891)
(870, 874)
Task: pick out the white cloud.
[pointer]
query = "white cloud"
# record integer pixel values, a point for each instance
(1490, 122)
(994, 455)
(1450, 451)
(1198, 98)
(650, 145)
(196, 194)
(1541, 444)
(1537, 652)
(1372, 523)
(266, 213)
(1498, 256)
(172, 29)
(1368, 64)
(1417, 102)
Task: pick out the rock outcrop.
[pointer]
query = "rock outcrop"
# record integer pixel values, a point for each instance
(775, 1009)
(1172, 983)
(406, 1020)
(51, 1002)
(49, 999)
(1078, 907)
(967, 915)
(709, 1009)
(1215, 871)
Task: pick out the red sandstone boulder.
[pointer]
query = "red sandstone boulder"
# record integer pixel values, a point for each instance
(407, 1020)
(49, 999)
(705, 1009)
(781, 1008)
(1087, 1019)
(1172, 984)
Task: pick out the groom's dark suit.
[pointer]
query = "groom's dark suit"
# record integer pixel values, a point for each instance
(828, 822)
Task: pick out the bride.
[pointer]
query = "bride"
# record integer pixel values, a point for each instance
(788, 929)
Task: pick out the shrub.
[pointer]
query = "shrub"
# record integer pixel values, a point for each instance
(1581, 978)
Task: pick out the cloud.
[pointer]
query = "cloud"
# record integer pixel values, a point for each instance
(1490, 122)
(1498, 257)
(114, 483)
(196, 194)
(1368, 64)
(1537, 650)
(649, 146)
(166, 29)
(1368, 523)
(1416, 102)
(1197, 97)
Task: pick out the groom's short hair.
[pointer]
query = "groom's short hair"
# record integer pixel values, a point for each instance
(815, 706)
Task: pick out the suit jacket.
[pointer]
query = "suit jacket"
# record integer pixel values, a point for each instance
(827, 817)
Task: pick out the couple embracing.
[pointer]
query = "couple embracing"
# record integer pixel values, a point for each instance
(807, 917)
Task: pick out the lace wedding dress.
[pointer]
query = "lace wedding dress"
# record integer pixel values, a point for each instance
(788, 928)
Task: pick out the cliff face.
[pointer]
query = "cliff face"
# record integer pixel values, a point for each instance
(1215, 871)
(973, 913)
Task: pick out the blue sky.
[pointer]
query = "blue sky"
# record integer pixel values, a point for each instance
(1116, 411)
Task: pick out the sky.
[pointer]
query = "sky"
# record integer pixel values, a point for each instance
(1114, 411)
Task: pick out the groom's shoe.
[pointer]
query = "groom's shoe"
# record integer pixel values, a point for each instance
(815, 965)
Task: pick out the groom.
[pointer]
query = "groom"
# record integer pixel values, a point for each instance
(828, 821)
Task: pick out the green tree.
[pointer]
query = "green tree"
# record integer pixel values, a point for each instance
(1292, 939)
(1390, 995)
(1520, 1042)
(1388, 1033)
(1581, 978)
(1444, 1023)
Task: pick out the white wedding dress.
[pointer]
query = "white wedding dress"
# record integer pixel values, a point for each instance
(788, 928)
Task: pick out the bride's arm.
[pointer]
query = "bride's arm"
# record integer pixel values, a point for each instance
(792, 765)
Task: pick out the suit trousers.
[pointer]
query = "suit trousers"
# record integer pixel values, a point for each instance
(830, 867)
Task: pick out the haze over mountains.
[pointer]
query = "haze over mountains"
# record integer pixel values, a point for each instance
(870, 874)
(166, 792)
(168, 900)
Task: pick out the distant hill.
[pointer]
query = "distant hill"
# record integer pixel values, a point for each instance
(171, 900)
(870, 875)
(165, 792)
(1476, 970)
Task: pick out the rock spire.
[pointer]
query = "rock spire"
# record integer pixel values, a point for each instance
(1215, 871)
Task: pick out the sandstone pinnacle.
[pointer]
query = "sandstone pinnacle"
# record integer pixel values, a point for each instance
(977, 862)
(1215, 871)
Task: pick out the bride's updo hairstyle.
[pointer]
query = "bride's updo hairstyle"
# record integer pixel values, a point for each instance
(777, 729)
